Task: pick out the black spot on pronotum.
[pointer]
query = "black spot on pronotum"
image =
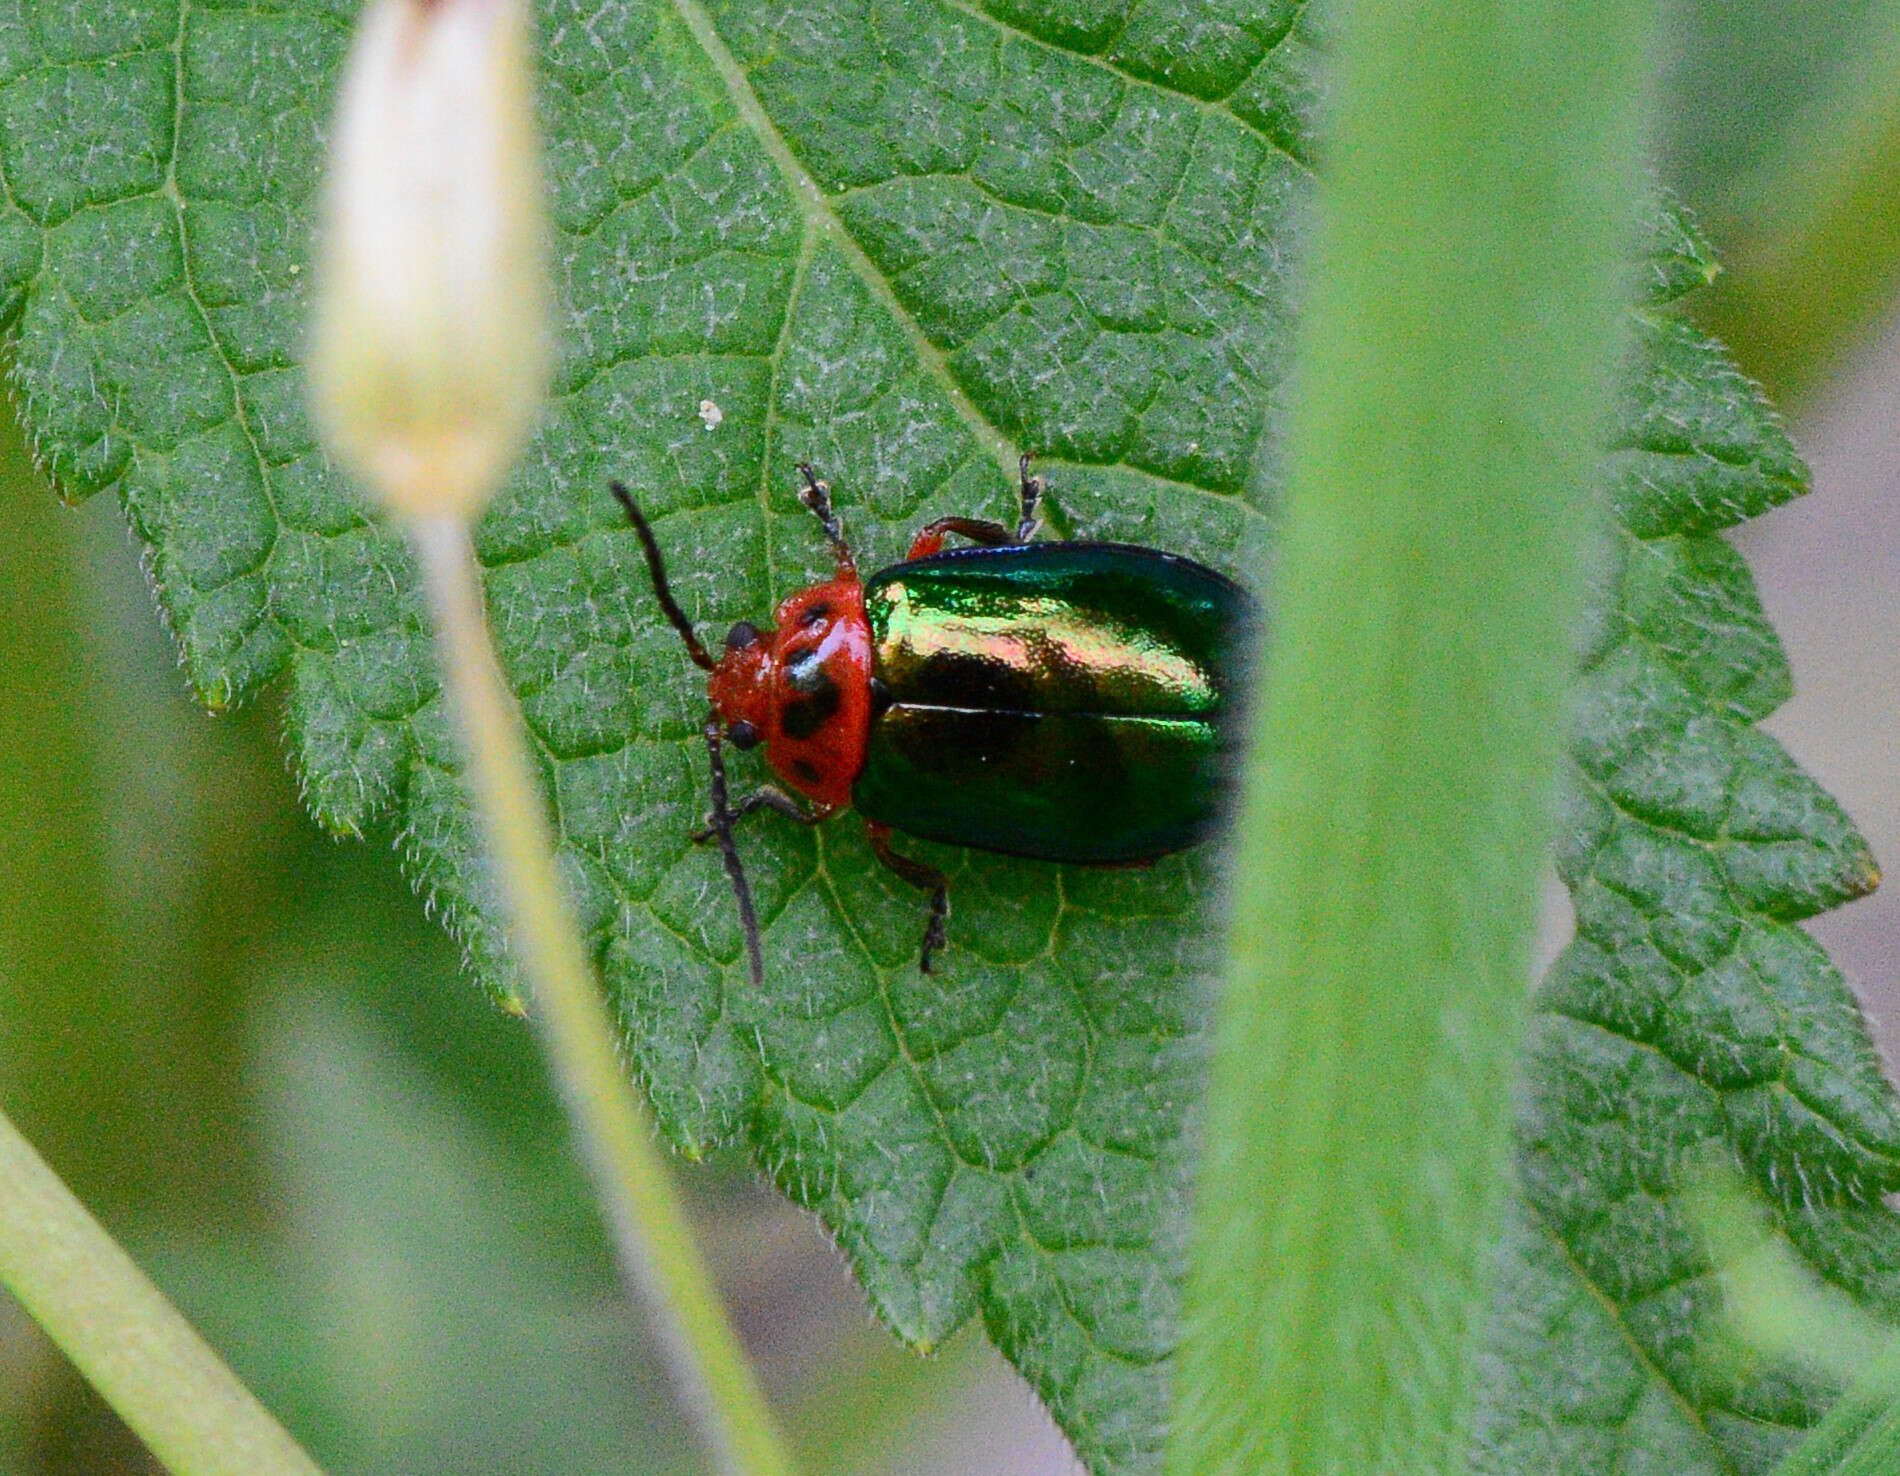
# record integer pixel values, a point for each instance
(816, 696)
(744, 634)
(806, 771)
(806, 716)
(804, 672)
(816, 615)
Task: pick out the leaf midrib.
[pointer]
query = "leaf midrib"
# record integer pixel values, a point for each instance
(821, 219)
(815, 208)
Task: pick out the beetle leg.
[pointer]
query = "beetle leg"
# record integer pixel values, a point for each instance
(765, 797)
(1031, 491)
(929, 539)
(925, 879)
(816, 495)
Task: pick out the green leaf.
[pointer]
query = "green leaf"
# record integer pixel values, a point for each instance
(1691, 1014)
(904, 239)
(902, 243)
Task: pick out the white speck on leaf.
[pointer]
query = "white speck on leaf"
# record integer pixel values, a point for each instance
(710, 413)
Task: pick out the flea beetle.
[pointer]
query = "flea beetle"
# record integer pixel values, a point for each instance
(1063, 701)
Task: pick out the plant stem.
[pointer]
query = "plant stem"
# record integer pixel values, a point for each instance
(658, 1254)
(131, 1344)
(1861, 1434)
(1778, 1309)
(1463, 321)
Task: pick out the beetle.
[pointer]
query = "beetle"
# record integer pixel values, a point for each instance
(1065, 701)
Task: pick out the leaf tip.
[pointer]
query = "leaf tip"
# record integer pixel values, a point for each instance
(216, 694)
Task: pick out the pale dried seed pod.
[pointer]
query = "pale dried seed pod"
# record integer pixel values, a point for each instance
(431, 342)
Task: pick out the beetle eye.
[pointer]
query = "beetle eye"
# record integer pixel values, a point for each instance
(742, 734)
(744, 634)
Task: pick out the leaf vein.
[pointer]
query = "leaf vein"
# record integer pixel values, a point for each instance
(1218, 106)
(1614, 1311)
(233, 377)
(820, 217)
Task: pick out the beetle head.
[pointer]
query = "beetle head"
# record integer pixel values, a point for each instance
(739, 685)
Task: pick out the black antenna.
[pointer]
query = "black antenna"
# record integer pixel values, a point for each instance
(721, 819)
(670, 607)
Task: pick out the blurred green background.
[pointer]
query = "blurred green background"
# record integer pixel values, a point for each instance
(249, 1051)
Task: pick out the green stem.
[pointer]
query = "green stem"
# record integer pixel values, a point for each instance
(657, 1251)
(1778, 1309)
(132, 1345)
(1861, 1434)
(1463, 320)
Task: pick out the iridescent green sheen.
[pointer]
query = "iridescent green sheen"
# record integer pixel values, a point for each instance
(1067, 701)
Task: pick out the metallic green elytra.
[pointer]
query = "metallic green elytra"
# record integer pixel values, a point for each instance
(1064, 701)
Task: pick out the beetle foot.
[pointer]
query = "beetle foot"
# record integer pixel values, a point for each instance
(715, 820)
(1032, 488)
(816, 496)
(936, 931)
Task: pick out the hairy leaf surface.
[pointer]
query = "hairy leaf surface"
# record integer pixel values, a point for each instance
(907, 239)
(1691, 1016)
